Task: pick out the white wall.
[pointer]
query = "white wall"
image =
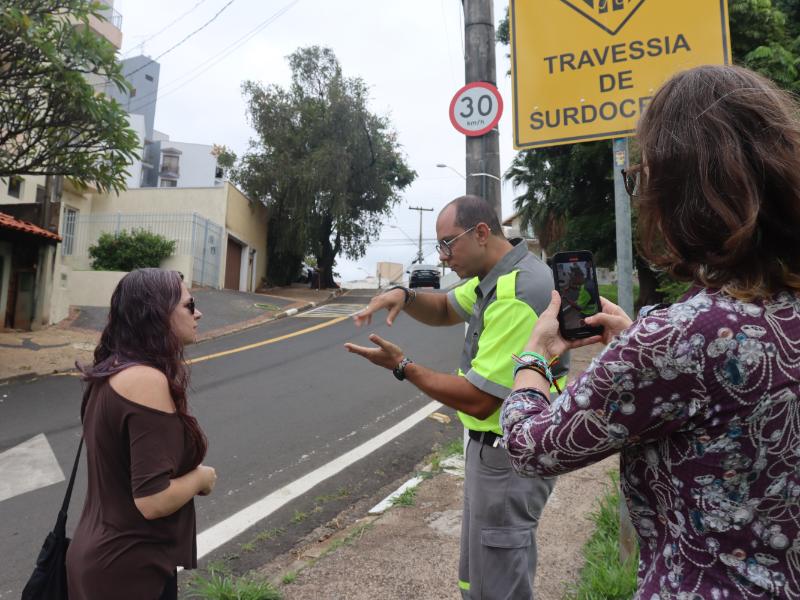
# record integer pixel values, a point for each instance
(197, 165)
(134, 179)
(93, 288)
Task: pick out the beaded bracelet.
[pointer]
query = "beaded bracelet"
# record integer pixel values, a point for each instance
(539, 365)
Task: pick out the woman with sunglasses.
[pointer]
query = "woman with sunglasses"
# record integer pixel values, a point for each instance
(700, 398)
(144, 449)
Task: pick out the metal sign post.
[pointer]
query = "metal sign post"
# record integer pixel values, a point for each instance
(622, 216)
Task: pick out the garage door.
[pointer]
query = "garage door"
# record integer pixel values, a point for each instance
(233, 265)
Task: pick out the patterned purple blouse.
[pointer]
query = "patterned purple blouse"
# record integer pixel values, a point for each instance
(701, 401)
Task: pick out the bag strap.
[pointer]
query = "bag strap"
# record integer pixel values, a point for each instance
(61, 521)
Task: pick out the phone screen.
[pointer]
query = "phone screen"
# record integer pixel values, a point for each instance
(576, 281)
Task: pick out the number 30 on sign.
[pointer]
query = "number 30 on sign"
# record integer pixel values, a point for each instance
(476, 108)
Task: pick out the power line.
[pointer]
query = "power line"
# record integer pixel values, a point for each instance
(192, 34)
(214, 60)
(163, 29)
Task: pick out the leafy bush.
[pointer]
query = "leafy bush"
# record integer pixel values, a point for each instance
(126, 251)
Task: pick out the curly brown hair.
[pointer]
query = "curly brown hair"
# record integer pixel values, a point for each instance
(720, 194)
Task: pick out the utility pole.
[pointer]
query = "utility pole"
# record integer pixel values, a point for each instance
(420, 209)
(483, 152)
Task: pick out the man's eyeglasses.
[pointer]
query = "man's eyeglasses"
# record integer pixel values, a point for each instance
(190, 305)
(446, 246)
(632, 178)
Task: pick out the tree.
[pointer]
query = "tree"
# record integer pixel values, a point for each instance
(52, 119)
(567, 191)
(329, 170)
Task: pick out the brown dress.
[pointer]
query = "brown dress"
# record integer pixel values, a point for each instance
(132, 451)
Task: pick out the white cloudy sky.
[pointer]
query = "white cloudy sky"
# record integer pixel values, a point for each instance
(409, 52)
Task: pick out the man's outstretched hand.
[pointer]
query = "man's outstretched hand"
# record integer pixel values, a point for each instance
(386, 355)
(393, 301)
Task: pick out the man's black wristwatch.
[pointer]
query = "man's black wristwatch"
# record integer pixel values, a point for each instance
(400, 370)
(411, 294)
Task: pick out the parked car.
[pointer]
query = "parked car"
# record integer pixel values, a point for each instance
(423, 276)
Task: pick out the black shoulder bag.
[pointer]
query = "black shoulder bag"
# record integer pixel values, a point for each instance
(49, 578)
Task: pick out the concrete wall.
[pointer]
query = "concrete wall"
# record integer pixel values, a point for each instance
(93, 288)
(208, 202)
(246, 222)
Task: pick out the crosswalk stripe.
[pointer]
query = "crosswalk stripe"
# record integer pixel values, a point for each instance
(332, 310)
(28, 466)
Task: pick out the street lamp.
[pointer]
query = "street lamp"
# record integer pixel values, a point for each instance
(444, 166)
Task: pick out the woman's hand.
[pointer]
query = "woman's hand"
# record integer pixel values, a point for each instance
(208, 479)
(546, 339)
(613, 320)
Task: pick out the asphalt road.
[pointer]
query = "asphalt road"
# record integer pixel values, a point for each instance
(272, 413)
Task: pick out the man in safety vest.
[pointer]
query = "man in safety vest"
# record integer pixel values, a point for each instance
(506, 288)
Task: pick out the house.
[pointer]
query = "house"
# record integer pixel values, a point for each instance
(220, 235)
(27, 253)
(176, 190)
(512, 227)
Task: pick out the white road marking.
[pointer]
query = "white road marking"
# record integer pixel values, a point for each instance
(224, 531)
(333, 310)
(27, 467)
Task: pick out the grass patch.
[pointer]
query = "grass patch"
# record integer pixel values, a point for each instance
(298, 517)
(222, 585)
(407, 498)
(267, 306)
(604, 576)
(268, 534)
(290, 577)
(342, 492)
(453, 447)
(609, 292)
(349, 539)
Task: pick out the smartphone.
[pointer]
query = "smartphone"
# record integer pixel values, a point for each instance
(576, 280)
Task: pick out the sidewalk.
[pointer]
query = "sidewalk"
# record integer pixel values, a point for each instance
(55, 349)
(411, 552)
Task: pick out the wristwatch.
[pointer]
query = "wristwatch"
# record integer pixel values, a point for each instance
(400, 370)
(411, 294)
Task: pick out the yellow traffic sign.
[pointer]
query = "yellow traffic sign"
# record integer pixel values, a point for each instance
(585, 70)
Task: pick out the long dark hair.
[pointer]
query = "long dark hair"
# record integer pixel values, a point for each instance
(720, 198)
(138, 332)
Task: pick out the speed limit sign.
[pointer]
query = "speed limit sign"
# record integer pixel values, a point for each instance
(476, 108)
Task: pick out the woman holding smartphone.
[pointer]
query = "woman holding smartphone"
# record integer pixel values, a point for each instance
(700, 398)
(144, 450)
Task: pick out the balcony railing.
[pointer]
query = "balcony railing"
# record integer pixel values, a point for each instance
(110, 14)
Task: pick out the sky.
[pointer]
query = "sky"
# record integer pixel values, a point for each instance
(409, 53)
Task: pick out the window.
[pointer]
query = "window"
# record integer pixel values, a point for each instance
(148, 77)
(219, 173)
(170, 163)
(169, 183)
(15, 186)
(68, 233)
(40, 194)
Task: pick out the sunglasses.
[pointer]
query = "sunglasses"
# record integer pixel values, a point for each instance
(633, 180)
(190, 305)
(446, 246)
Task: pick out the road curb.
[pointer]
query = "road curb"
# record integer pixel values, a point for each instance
(247, 325)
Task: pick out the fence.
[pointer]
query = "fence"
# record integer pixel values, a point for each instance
(194, 236)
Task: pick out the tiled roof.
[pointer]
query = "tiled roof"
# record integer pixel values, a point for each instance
(9, 222)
